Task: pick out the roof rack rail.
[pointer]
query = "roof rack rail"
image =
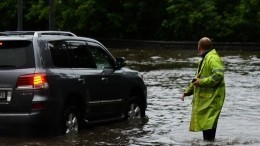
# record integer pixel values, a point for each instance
(64, 33)
(38, 33)
(2, 34)
(17, 33)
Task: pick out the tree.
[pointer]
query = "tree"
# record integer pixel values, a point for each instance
(180, 20)
(8, 11)
(222, 20)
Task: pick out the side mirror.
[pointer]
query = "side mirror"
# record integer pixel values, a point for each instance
(120, 62)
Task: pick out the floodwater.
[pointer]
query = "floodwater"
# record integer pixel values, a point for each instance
(167, 73)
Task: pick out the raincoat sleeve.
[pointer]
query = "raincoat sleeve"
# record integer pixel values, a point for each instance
(217, 71)
(189, 91)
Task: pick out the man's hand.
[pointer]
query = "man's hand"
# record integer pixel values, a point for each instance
(182, 97)
(197, 82)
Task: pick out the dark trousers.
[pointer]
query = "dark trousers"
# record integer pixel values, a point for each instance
(209, 135)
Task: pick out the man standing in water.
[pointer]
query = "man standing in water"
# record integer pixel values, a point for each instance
(208, 90)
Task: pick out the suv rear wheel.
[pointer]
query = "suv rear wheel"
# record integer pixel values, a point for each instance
(71, 120)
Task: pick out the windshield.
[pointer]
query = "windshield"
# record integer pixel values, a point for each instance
(16, 54)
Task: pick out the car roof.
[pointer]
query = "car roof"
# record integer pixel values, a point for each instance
(16, 37)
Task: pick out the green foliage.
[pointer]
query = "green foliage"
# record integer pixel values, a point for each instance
(8, 15)
(36, 16)
(179, 20)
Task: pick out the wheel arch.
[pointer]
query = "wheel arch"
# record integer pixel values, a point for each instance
(77, 100)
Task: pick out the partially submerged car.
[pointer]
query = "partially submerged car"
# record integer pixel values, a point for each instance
(58, 80)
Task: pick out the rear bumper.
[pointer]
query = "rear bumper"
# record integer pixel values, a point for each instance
(33, 118)
(39, 110)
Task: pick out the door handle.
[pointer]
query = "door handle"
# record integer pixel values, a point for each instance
(104, 80)
(81, 80)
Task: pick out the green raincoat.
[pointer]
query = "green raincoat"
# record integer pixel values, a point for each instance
(208, 97)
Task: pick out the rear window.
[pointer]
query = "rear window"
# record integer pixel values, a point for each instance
(16, 54)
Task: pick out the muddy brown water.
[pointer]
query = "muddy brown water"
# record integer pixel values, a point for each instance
(167, 73)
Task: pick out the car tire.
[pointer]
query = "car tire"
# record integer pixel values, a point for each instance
(135, 109)
(71, 121)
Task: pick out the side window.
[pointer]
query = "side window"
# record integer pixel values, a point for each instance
(80, 55)
(101, 58)
(59, 53)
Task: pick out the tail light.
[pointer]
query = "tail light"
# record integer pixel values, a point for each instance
(32, 81)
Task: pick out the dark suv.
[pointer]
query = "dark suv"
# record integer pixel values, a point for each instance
(58, 80)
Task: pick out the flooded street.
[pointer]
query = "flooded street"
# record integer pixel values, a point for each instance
(167, 73)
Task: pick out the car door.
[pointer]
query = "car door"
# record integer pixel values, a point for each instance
(89, 82)
(111, 80)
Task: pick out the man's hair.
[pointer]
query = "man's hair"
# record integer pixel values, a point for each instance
(205, 43)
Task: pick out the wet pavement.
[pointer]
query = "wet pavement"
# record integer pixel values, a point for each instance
(167, 73)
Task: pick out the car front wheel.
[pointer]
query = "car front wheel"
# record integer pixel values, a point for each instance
(135, 110)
